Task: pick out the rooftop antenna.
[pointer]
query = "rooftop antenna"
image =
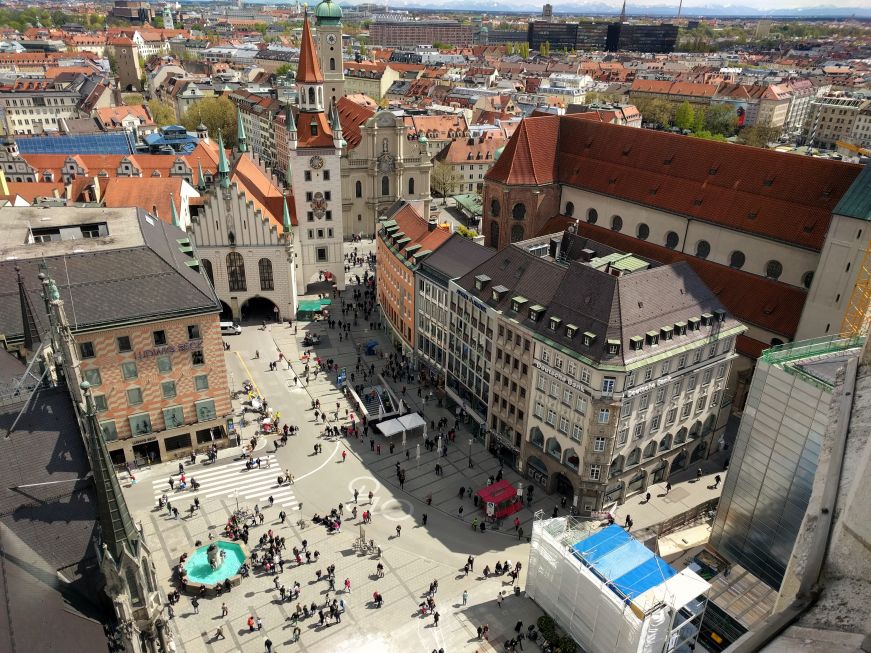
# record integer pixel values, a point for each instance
(679, 8)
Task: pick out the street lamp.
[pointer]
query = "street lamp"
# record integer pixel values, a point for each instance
(470, 453)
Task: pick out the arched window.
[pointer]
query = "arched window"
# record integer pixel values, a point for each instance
(554, 448)
(592, 216)
(650, 449)
(516, 233)
(264, 265)
(671, 239)
(207, 268)
(570, 209)
(681, 436)
(773, 269)
(494, 208)
(358, 189)
(332, 63)
(311, 94)
(494, 234)
(616, 223)
(617, 465)
(519, 211)
(411, 186)
(665, 443)
(572, 460)
(703, 249)
(385, 185)
(807, 279)
(737, 259)
(709, 424)
(236, 272)
(696, 429)
(537, 438)
(634, 457)
(133, 589)
(643, 231)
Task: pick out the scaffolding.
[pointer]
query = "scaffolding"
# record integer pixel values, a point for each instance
(857, 319)
(610, 593)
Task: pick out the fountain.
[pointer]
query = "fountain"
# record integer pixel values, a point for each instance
(213, 564)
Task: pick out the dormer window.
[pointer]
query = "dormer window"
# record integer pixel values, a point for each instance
(535, 312)
(499, 293)
(680, 328)
(518, 303)
(554, 323)
(589, 338)
(694, 323)
(666, 333)
(613, 347)
(636, 343)
(571, 330)
(652, 338)
(720, 315)
(481, 281)
(707, 319)
(314, 128)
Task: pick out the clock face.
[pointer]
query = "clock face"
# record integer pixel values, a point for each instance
(331, 39)
(316, 162)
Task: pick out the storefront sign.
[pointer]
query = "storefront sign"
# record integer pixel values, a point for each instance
(192, 345)
(557, 375)
(474, 300)
(648, 386)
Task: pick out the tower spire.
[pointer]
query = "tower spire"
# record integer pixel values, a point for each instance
(623, 13)
(223, 166)
(201, 180)
(286, 216)
(241, 138)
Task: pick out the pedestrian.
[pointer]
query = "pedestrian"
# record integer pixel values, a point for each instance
(268, 644)
(465, 596)
(460, 512)
(259, 624)
(499, 599)
(224, 610)
(520, 533)
(371, 494)
(699, 473)
(398, 530)
(717, 480)
(251, 623)
(195, 603)
(628, 521)
(219, 633)
(356, 494)
(344, 455)
(518, 626)
(282, 516)
(435, 618)
(423, 518)
(271, 501)
(170, 612)
(647, 498)
(667, 488)
(348, 585)
(471, 562)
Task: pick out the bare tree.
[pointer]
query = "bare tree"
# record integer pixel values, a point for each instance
(444, 180)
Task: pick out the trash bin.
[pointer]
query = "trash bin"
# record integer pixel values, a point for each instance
(516, 590)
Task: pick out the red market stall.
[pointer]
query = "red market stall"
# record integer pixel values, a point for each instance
(500, 499)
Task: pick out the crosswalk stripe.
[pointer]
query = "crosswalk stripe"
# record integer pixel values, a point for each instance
(212, 485)
(249, 488)
(234, 468)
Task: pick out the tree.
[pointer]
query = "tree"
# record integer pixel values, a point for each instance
(721, 119)
(132, 99)
(162, 113)
(465, 232)
(283, 69)
(654, 110)
(544, 49)
(684, 116)
(600, 97)
(523, 50)
(758, 135)
(215, 113)
(441, 45)
(444, 180)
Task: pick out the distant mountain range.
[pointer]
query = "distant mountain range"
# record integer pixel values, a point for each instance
(604, 9)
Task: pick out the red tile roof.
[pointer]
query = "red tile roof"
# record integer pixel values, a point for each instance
(351, 116)
(415, 227)
(530, 158)
(324, 136)
(309, 69)
(151, 194)
(765, 303)
(261, 191)
(771, 194)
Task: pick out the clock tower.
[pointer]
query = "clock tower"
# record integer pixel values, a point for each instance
(315, 145)
(329, 29)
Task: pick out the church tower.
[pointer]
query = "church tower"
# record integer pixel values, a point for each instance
(329, 29)
(168, 22)
(315, 146)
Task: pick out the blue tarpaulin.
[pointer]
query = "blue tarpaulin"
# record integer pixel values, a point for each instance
(629, 568)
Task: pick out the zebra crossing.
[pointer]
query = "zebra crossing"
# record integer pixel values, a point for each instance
(233, 480)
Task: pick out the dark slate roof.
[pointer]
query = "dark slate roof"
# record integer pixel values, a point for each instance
(456, 256)
(112, 286)
(610, 307)
(48, 517)
(856, 202)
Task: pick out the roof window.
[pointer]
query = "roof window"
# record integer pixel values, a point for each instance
(707, 319)
(613, 346)
(636, 343)
(535, 312)
(499, 292)
(554, 323)
(651, 338)
(481, 281)
(517, 303)
(571, 330)
(589, 338)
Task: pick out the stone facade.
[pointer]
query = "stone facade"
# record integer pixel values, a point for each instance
(515, 213)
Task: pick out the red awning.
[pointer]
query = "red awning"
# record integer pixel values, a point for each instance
(499, 492)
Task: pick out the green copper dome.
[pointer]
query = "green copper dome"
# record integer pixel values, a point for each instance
(328, 13)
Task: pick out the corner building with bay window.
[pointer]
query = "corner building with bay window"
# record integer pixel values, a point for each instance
(621, 365)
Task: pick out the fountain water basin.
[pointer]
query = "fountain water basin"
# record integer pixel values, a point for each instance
(214, 563)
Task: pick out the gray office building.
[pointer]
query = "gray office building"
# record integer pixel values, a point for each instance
(776, 454)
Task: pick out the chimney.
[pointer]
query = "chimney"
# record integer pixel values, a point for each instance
(432, 224)
(587, 255)
(554, 247)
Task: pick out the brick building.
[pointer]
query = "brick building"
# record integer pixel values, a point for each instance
(144, 318)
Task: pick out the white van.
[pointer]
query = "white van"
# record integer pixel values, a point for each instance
(230, 329)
